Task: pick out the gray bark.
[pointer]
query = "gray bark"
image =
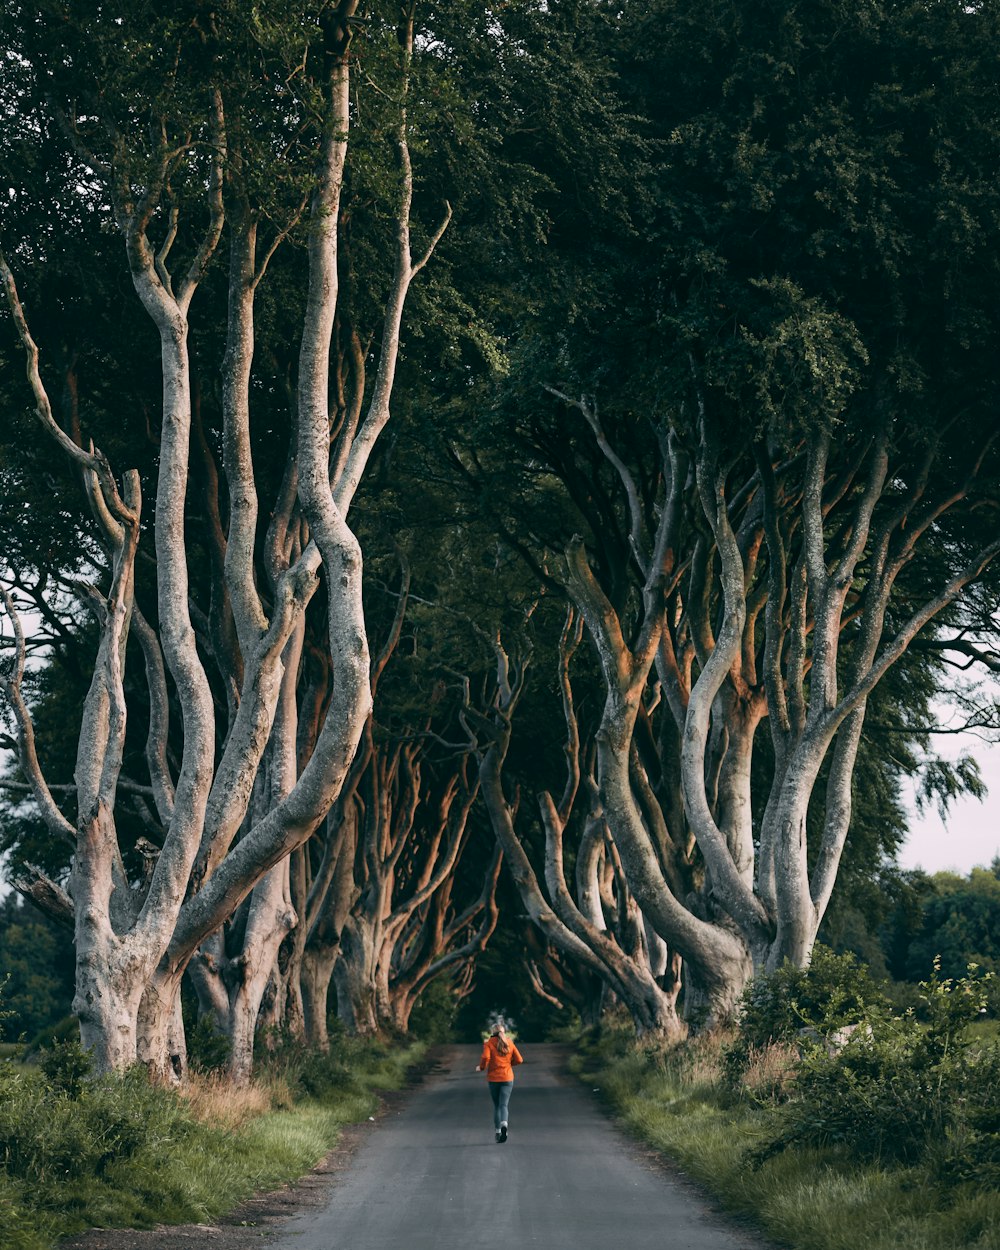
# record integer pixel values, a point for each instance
(718, 679)
(128, 937)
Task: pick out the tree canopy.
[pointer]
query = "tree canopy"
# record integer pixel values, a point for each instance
(645, 358)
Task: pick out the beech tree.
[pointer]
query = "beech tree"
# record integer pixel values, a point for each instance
(158, 119)
(403, 881)
(596, 922)
(762, 394)
(378, 904)
(736, 414)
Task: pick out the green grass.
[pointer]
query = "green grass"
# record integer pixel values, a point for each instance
(124, 1155)
(809, 1199)
(985, 1031)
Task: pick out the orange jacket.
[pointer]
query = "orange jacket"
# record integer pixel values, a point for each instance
(496, 1066)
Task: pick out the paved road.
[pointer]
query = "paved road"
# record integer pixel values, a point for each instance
(431, 1176)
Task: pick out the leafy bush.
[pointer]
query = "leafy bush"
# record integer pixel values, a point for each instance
(433, 1017)
(904, 1089)
(208, 1049)
(351, 1066)
(318, 1075)
(66, 1065)
(970, 1152)
(814, 1198)
(56, 1128)
(802, 1004)
(131, 1118)
(113, 1151)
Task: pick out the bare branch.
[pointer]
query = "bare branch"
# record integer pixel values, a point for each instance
(588, 408)
(10, 684)
(217, 216)
(33, 884)
(396, 629)
(572, 634)
(93, 462)
(864, 686)
(158, 734)
(435, 240)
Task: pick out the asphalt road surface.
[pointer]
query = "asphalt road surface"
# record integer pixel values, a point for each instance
(432, 1177)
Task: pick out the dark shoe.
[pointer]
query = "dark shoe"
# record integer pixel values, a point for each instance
(497, 1136)
(502, 1135)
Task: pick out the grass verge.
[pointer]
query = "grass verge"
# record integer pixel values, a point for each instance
(809, 1199)
(115, 1153)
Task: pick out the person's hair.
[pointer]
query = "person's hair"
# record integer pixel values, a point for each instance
(502, 1044)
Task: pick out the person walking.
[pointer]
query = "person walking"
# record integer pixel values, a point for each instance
(499, 1058)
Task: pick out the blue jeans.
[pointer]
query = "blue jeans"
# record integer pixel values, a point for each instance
(500, 1093)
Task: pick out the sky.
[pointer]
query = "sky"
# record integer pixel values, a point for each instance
(970, 832)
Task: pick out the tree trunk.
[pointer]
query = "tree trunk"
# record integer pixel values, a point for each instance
(354, 976)
(108, 992)
(718, 960)
(292, 953)
(203, 873)
(327, 915)
(162, 1047)
(268, 923)
(317, 973)
(397, 1010)
(207, 973)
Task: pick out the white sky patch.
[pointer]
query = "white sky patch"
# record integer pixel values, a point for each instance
(969, 835)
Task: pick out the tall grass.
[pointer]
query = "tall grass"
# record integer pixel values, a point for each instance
(806, 1197)
(116, 1152)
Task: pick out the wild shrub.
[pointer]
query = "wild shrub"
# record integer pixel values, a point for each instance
(128, 1117)
(433, 1017)
(318, 1075)
(16, 1101)
(208, 1048)
(970, 1153)
(351, 1065)
(801, 1004)
(114, 1151)
(66, 1065)
(902, 1089)
(52, 1132)
(42, 1132)
(815, 1198)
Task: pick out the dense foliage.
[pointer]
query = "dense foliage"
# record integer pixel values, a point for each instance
(36, 956)
(916, 1088)
(882, 1134)
(79, 1152)
(948, 917)
(804, 1006)
(748, 227)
